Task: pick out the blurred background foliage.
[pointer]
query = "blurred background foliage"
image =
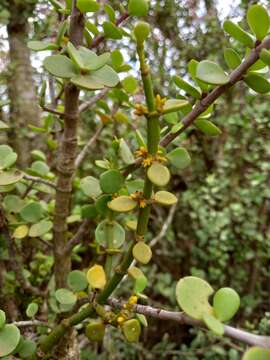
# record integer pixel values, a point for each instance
(220, 227)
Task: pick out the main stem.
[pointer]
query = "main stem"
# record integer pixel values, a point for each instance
(153, 136)
(66, 162)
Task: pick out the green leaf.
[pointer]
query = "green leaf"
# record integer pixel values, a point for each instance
(91, 60)
(111, 31)
(187, 87)
(125, 153)
(265, 56)
(40, 168)
(142, 319)
(31, 310)
(192, 295)
(77, 280)
(10, 177)
(122, 204)
(118, 234)
(60, 66)
(132, 330)
(87, 6)
(257, 353)
(65, 296)
(9, 339)
(26, 348)
(142, 252)
(192, 69)
(140, 284)
(232, 58)
(95, 331)
(89, 211)
(130, 84)
(158, 174)
(75, 56)
(258, 20)
(213, 324)
(257, 83)
(96, 277)
(226, 303)
(101, 204)
(40, 229)
(173, 105)
(21, 232)
(13, 203)
(110, 12)
(138, 7)
(117, 59)
(87, 82)
(165, 198)
(238, 33)
(2, 319)
(211, 73)
(179, 158)
(207, 127)
(7, 157)
(31, 212)
(90, 187)
(41, 46)
(111, 181)
(3, 126)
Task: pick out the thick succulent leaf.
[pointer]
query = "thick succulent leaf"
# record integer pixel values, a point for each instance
(211, 73)
(122, 204)
(41, 46)
(95, 331)
(91, 60)
(142, 252)
(158, 174)
(21, 232)
(77, 280)
(226, 303)
(40, 229)
(31, 212)
(9, 339)
(187, 87)
(7, 157)
(2, 319)
(138, 7)
(265, 56)
(132, 330)
(111, 181)
(179, 158)
(96, 277)
(192, 295)
(90, 187)
(111, 31)
(173, 105)
(75, 56)
(257, 83)
(165, 198)
(238, 33)
(65, 297)
(60, 66)
(258, 20)
(87, 82)
(125, 153)
(10, 177)
(31, 309)
(213, 324)
(257, 353)
(192, 69)
(118, 234)
(232, 58)
(207, 127)
(107, 76)
(87, 6)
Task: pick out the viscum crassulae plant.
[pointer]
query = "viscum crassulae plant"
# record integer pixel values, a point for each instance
(118, 192)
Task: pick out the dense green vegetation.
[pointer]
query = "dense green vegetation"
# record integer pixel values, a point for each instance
(134, 180)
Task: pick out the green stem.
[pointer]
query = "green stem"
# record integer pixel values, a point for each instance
(153, 136)
(109, 241)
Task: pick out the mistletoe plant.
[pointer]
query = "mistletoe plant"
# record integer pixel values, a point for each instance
(40, 203)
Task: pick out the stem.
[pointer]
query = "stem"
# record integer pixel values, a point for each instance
(66, 163)
(109, 240)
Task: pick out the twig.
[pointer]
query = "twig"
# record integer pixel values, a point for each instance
(31, 323)
(180, 317)
(165, 226)
(204, 104)
(87, 147)
(52, 111)
(93, 100)
(39, 180)
(77, 238)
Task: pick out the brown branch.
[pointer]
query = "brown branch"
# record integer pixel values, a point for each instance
(31, 323)
(36, 179)
(66, 161)
(52, 111)
(93, 100)
(236, 75)
(181, 318)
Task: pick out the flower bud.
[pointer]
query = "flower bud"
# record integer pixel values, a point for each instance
(141, 31)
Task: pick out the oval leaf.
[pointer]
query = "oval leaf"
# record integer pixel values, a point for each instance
(179, 158)
(257, 83)
(122, 204)
(226, 303)
(9, 339)
(207, 127)
(211, 73)
(258, 21)
(111, 181)
(60, 66)
(142, 252)
(96, 277)
(158, 174)
(238, 33)
(165, 198)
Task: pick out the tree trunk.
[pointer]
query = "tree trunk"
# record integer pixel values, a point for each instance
(24, 108)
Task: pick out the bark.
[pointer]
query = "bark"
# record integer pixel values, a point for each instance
(24, 109)
(66, 164)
